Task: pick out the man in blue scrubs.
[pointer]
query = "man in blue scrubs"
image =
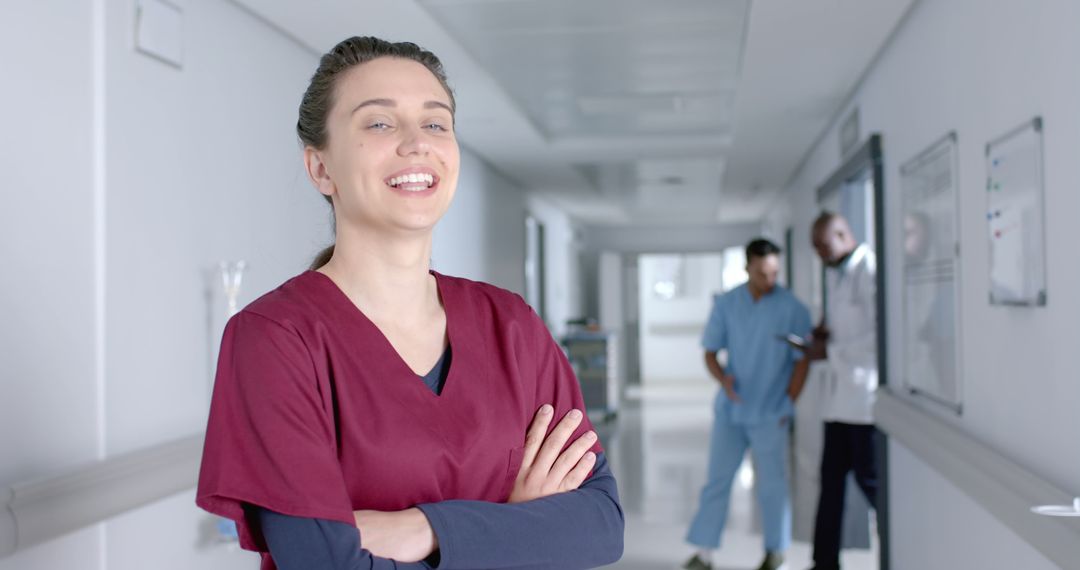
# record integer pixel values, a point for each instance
(761, 380)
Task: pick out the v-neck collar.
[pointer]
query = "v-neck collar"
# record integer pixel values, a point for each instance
(757, 302)
(435, 379)
(392, 353)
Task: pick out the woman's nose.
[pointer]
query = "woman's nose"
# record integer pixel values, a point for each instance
(413, 142)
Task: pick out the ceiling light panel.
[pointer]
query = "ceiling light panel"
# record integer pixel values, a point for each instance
(608, 67)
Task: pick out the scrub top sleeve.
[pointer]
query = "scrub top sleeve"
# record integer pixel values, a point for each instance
(715, 338)
(270, 439)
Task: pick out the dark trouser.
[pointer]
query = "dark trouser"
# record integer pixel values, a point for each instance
(847, 447)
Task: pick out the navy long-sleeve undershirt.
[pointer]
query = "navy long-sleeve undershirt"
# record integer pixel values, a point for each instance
(578, 529)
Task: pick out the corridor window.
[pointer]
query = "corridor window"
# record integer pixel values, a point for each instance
(734, 270)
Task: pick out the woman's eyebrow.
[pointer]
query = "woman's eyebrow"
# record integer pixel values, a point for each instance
(382, 102)
(438, 105)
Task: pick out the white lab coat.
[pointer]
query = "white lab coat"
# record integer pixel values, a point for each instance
(851, 316)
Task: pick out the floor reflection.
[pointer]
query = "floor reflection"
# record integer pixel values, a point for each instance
(658, 449)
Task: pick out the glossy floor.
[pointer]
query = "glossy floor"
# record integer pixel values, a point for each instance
(658, 446)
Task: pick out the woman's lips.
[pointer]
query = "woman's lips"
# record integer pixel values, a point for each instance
(413, 182)
(413, 179)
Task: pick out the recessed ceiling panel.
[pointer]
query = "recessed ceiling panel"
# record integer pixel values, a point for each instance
(608, 67)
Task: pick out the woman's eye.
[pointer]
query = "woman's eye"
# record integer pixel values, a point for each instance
(435, 127)
(378, 126)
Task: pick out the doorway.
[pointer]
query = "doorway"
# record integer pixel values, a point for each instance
(856, 191)
(535, 274)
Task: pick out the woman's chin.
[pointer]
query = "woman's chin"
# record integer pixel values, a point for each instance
(400, 222)
(416, 224)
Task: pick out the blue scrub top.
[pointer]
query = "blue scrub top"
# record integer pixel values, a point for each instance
(760, 362)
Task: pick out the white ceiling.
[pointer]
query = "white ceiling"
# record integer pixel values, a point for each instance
(607, 68)
(630, 111)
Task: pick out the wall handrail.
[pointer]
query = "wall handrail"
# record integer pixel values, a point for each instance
(46, 508)
(1000, 485)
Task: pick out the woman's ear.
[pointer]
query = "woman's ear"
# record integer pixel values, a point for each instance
(317, 171)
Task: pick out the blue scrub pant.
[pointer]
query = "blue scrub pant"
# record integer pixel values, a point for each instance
(768, 443)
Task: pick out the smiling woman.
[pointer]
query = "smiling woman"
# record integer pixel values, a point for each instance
(371, 413)
(416, 73)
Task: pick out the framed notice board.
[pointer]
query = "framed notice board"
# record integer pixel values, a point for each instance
(931, 277)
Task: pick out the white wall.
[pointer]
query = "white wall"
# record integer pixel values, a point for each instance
(610, 314)
(563, 282)
(47, 254)
(944, 528)
(46, 238)
(197, 165)
(483, 235)
(202, 164)
(981, 69)
(669, 239)
(670, 329)
(611, 308)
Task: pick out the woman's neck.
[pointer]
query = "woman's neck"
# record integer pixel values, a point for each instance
(385, 278)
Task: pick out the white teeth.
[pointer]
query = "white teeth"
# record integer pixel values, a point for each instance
(413, 178)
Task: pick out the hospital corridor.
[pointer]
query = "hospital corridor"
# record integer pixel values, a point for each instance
(483, 284)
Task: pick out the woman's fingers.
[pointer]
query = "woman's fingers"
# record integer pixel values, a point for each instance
(571, 457)
(555, 441)
(579, 473)
(545, 467)
(534, 437)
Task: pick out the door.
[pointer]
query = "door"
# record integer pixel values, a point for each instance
(855, 192)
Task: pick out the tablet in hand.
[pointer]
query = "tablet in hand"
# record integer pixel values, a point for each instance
(794, 340)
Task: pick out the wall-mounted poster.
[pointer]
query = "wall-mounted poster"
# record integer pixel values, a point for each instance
(931, 332)
(1014, 191)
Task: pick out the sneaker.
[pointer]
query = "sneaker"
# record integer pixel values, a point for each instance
(773, 561)
(696, 563)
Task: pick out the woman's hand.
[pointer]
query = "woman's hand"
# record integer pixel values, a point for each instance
(405, 536)
(544, 470)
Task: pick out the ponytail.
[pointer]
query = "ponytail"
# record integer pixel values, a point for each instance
(322, 258)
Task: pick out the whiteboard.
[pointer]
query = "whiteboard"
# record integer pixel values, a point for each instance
(1014, 194)
(931, 258)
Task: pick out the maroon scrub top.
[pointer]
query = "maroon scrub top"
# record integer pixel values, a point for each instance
(314, 414)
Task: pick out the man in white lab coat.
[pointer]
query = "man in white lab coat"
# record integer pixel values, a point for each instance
(847, 340)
